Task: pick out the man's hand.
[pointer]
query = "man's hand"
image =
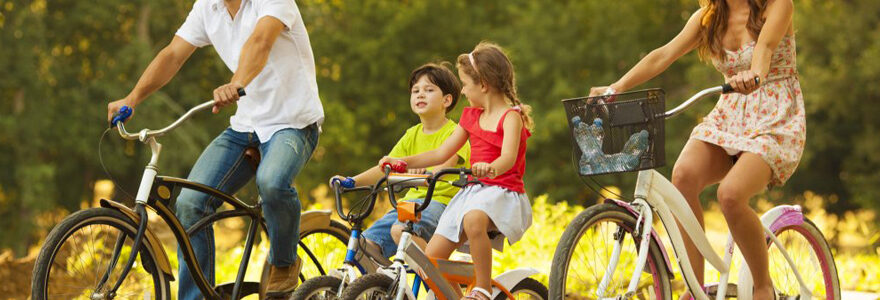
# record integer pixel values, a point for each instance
(225, 95)
(113, 107)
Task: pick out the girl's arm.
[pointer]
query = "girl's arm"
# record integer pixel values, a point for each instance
(658, 60)
(509, 146)
(437, 156)
(778, 14)
(371, 175)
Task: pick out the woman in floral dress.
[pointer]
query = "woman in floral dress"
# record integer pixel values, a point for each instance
(753, 138)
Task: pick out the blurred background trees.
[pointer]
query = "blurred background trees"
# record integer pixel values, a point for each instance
(63, 60)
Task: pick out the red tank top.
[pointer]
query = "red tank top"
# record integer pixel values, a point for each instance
(486, 147)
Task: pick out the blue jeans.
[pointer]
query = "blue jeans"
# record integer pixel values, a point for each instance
(380, 231)
(223, 166)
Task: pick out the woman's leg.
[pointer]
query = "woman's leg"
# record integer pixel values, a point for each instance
(699, 165)
(747, 178)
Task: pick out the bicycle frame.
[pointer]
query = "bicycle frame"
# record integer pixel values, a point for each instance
(439, 275)
(156, 192)
(654, 193)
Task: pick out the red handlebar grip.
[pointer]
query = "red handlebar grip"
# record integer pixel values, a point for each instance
(397, 167)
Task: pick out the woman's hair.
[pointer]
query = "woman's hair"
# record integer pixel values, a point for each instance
(440, 75)
(713, 25)
(488, 64)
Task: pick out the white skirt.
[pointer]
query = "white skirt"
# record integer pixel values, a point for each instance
(510, 211)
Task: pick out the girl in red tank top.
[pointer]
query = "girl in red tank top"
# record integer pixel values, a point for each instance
(497, 125)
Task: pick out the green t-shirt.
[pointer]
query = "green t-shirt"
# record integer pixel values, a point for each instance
(416, 141)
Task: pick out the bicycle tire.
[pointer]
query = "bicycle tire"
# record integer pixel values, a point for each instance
(41, 283)
(529, 287)
(655, 264)
(375, 286)
(311, 288)
(824, 256)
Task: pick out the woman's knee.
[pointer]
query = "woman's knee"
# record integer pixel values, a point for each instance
(731, 200)
(687, 177)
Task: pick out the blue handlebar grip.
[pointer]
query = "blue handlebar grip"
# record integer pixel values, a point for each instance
(241, 92)
(348, 182)
(120, 116)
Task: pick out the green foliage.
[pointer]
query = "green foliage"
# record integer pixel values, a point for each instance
(63, 60)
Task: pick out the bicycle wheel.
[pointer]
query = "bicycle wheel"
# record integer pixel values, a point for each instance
(528, 288)
(327, 247)
(318, 288)
(371, 287)
(78, 253)
(812, 257)
(585, 250)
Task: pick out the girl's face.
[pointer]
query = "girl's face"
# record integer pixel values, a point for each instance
(471, 90)
(426, 98)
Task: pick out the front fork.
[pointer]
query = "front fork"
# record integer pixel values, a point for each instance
(645, 219)
(143, 194)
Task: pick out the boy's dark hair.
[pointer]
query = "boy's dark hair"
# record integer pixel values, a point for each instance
(442, 76)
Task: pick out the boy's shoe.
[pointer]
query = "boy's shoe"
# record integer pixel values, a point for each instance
(283, 280)
(370, 256)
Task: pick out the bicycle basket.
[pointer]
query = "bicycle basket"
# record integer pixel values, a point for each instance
(617, 133)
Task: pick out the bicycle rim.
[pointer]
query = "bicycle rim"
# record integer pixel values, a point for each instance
(328, 245)
(590, 254)
(82, 256)
(811, 256)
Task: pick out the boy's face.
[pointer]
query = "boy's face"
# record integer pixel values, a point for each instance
(469, 88)
(426, 98)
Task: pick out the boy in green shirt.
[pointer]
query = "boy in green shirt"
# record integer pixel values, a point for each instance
(434, 91)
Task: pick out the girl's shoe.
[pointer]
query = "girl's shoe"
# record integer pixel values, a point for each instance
(475, 295)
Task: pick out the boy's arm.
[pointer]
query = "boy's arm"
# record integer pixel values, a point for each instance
(510, 146)
(368, 177)
(437, 156)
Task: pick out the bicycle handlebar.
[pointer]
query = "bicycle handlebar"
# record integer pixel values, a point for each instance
(125, 112)
(723, 89)
(431, 182)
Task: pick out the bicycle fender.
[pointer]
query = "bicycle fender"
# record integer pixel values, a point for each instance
(155, 244)
(654, 235)
(314, 219)
(510, 278)
(776, 218)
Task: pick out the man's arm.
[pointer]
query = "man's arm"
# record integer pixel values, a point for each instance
(254, 55)
(163, 67)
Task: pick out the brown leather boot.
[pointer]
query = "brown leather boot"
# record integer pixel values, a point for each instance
(283, 280)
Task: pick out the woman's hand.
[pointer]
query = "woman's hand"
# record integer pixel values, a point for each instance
(417, 171)
(481, 170)
(745, 82)
(599, 90)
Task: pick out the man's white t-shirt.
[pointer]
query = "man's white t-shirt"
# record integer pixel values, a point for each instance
(285, 93)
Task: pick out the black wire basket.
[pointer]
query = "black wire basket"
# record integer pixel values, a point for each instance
(617, 133)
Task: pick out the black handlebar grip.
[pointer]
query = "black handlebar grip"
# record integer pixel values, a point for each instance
(726, 88)
(241, 92)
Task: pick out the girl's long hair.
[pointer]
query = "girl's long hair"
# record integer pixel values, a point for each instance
(495, 69)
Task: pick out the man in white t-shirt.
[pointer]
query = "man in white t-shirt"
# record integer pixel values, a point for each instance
(265, 44)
